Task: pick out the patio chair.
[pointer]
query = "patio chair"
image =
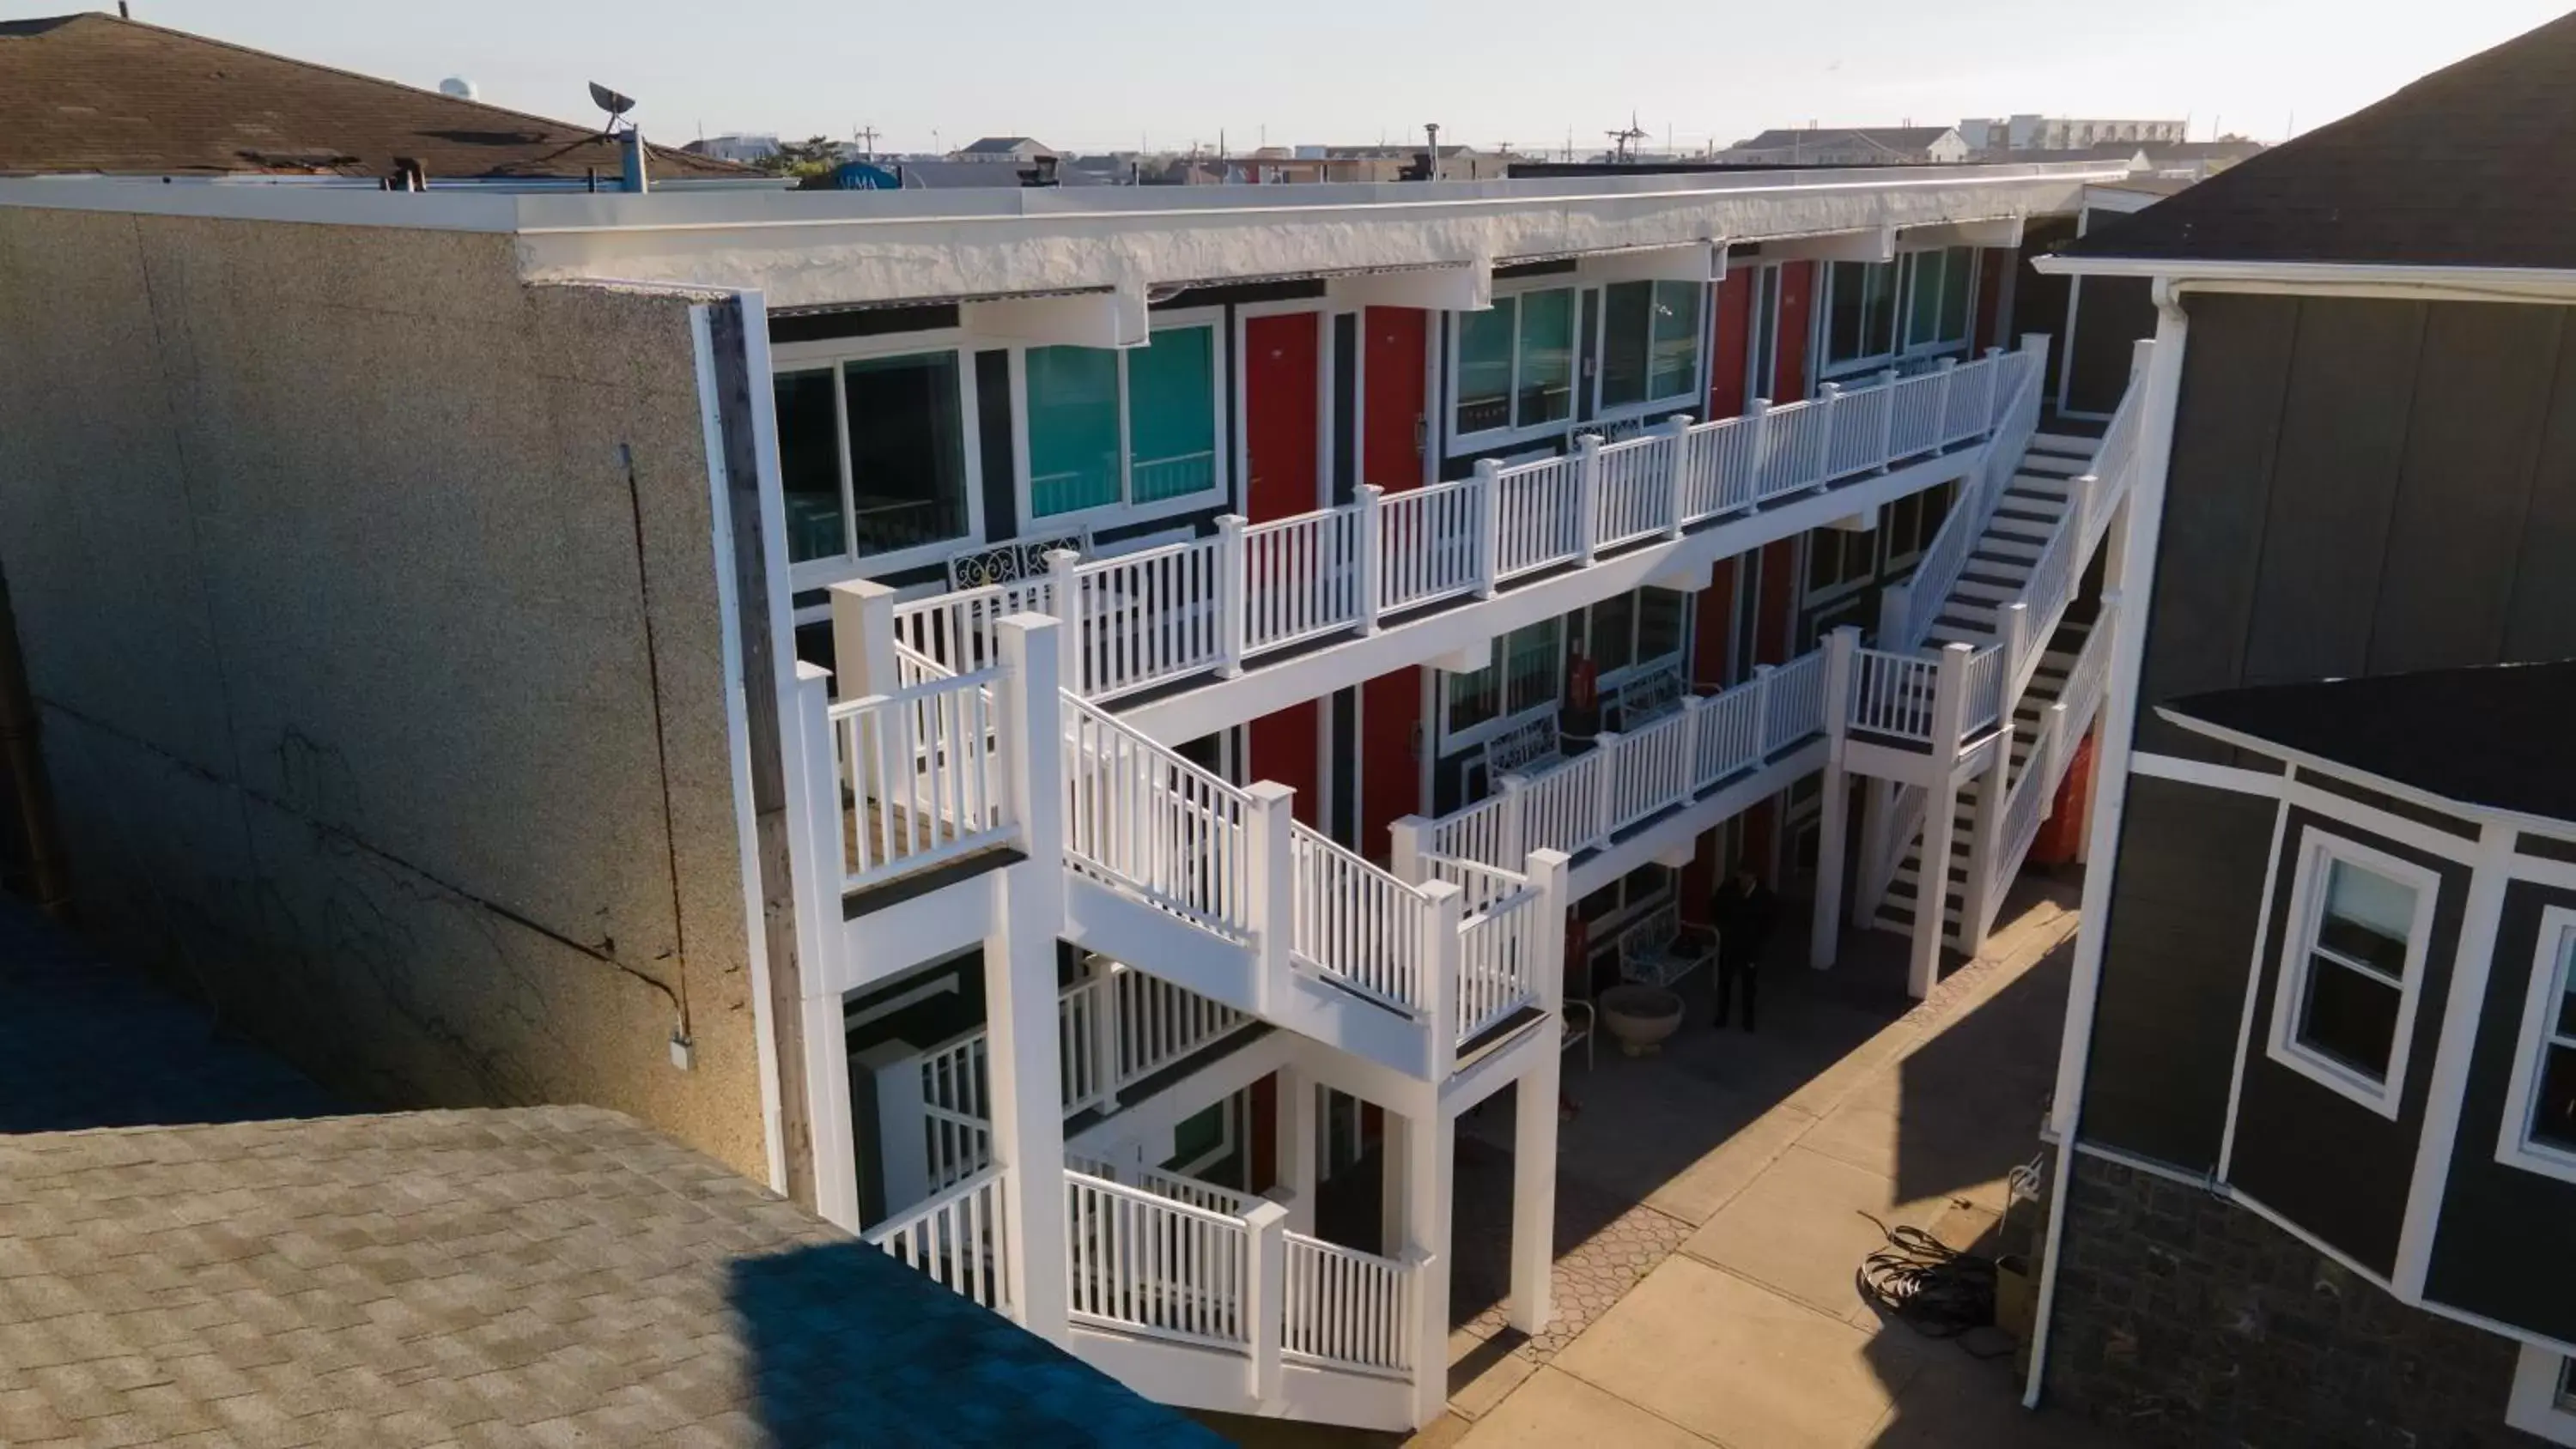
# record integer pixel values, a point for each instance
(1660, 950)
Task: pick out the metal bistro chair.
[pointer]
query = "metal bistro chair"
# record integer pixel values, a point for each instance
(1660, 950)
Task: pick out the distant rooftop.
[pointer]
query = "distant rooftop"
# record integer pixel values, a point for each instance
(98, 94)
(1899, 138)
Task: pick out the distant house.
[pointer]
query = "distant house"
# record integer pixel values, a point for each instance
(2187, 160)
(1850, 146)
(95, 94)
(743, 150)
(1990, 136)
(1015, 150)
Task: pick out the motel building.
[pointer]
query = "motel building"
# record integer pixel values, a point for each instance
(1169, 697)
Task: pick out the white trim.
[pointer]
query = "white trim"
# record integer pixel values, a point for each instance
(2471, 962)
(1125, 511)
(2216, 777)
(2470, 283)
(764, 1026)
(2253, 987)
(2319, 850)
(2553, 971)
(2466, 811)
(2459, 849)
(2539, 1403)
(2542, 871)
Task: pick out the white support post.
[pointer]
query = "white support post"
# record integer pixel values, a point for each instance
(1994, 360)
(1430, 1140)
(1265, 1300)
(1534, 1123)
(1877, 818)
(1605, 754)
(1298, 1152)
(1762, 712)
(1692, 705)
(1061, 563)
(1411, 837)
(1587, 496)
(903, 1164)
(1231, 600)
(1676, 430)
(818, 867)
(863, 639)
(1887, 421)
(2012, 634)
(1515, 813)
(1948, 368)
(1842, 657)
(1489, 523)
(1896, 617)
(1985, 887)
(1372, 555)
(1831, 400)
(1446, 908)
(1270, 880)
(1024, 1075)
(1932, 881)
(1758, 418)
(1107, 1028)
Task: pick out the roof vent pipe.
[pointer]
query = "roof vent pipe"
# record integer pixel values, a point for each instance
(636, 179)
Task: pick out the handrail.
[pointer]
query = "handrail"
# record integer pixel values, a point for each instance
(1197, 1194)
(1483, 884)
(1354, 921)
(1945, 558)
(923, 786)
(957, 1237)
(1347, 1308)
(1142, 1263)
(1143, 819)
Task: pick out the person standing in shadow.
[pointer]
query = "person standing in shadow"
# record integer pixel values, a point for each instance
(1744, 911)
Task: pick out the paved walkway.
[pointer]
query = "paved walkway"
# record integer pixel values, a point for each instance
(1770, 1155)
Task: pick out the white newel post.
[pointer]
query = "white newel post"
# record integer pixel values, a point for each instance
(1231, 600)
(1940, 809)
(2012, 632)
(1887, 421)
(818, 867)
(1985, 847)
(1515, 812)
(1024, 1073)
(1842, 655)
(1489, 527)
(1758, 418)
(903, 1165)
(1948, 368)
(1587, 496)
(1265, 1299)
(1600, 801)
(1896, 617)
(1677, 433)
(1411, 840)
(1067, 588)
(1692, 707)
(1534, 1122)
(863, 639)
(1106, 1027)
(1430, 1137)
(1444, 908)
(1270, 885)
(1831, 400)
(1762, 712)
(1994, 361)
(1372, 555)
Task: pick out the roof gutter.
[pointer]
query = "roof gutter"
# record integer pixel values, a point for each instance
(2388, 279)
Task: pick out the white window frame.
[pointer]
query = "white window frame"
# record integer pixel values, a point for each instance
(2553, 962)
(1603, 417)
(1124, 510)
(1231, 1109)
(1451, 742)
(1508, 435)
(1903, 273)
(787, 357)
(2541, 1403)
(2318, 849)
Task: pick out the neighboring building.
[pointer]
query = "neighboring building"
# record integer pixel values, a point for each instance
(97, 94)
(1851, 146)
(2187, 160)
(2316, 1117)
(1042, 730)
(1989, 135)
(1007, 150)
(741, 150)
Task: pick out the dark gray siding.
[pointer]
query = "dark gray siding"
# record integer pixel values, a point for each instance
(2496, 1219)
(2362, 486)
(2184, 912)
(2111, 314)
(2325, 1162)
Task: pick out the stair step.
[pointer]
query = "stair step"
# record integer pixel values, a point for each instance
(2065, 463)
(2020, 530)
(2018, 550)
(1969, 588)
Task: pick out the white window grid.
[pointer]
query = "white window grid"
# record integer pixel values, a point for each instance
(2552, 967)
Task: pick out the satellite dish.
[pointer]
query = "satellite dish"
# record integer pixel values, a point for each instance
(459, 87)
(610, 101)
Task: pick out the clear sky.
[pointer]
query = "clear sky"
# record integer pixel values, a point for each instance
(1096, 76)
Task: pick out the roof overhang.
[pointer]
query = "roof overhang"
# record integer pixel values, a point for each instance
(2394, 788)
(2366, 279)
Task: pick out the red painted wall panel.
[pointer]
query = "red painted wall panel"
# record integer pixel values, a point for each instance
(1284, 748)
(1390, 776)
(1280, 415)
(1394, 340)
(1797, 299)
(1730, 344)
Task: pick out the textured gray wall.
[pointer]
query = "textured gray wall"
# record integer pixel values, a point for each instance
(326, 562)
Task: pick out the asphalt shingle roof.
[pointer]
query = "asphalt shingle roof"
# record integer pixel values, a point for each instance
(2465, 167)
(94, 93)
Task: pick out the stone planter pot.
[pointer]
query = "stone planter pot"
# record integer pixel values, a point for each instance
(1640, 1016)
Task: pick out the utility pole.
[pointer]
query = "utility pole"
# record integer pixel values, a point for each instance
(1431, 172)
(867, 142)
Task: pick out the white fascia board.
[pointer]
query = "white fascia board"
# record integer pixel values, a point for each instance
(1465, 288)
(2397, 789)
(1698, 262)
(1877, 244)
(1112, 318)
(2000, 232)
(2470, 284)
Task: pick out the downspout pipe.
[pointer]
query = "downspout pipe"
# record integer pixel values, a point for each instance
(2111, 773)
(24, 758)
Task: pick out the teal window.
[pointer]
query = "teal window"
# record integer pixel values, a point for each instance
(1937, 288)
(1485, 366)
(1134, 426)
(1516, 362)
(1649, 342)
(1545, 390)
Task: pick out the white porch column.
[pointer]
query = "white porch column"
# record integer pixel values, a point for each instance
(863, 639)
(1429, 1170)
(1265, 1300)
(1298, 1123)
(1023, 1073)
(818, 866)
(1270, 886)
(1824, 939)
(1411, 837)
(1587, 496)
(1534, 1123)
(1489, 527)
(1932, 881)
(1061, 563)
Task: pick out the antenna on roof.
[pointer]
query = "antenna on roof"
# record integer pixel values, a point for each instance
(614, 104)
(459, 87)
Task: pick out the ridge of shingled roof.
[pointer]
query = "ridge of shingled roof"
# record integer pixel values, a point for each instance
(91, 93)
(2493, 736)
(2464, 167)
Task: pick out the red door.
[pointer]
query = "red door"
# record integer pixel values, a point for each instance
(1797, 296)
(1731, 345)
(1393, 425)
(1280, 417)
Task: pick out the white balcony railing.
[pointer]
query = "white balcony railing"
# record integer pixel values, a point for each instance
(957, 1238)
(1347, 1309)
(1209, 604)
(1140, 1262)
(919, 779)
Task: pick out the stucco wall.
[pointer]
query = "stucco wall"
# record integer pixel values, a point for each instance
(359, 694)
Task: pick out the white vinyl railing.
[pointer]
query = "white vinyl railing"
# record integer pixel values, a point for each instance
(1158, 1023)
(2091, 499)
(1347, 1309)
(1142, 819)
(1497, 961)
(918, 769)
(2034, 790)
(957, 1238)
(1937, 571)
(1207, 604)
(1190, 1190)
(1143, 1263)
(1355, 922)
(956, 1111)
(1581, 804)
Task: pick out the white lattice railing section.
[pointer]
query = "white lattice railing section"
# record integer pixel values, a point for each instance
(1581, 804)
(957, 1238)
(1347, 1309)
(918, 777)
(1207, 604)
(1143, 820)
(1139, 1262)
